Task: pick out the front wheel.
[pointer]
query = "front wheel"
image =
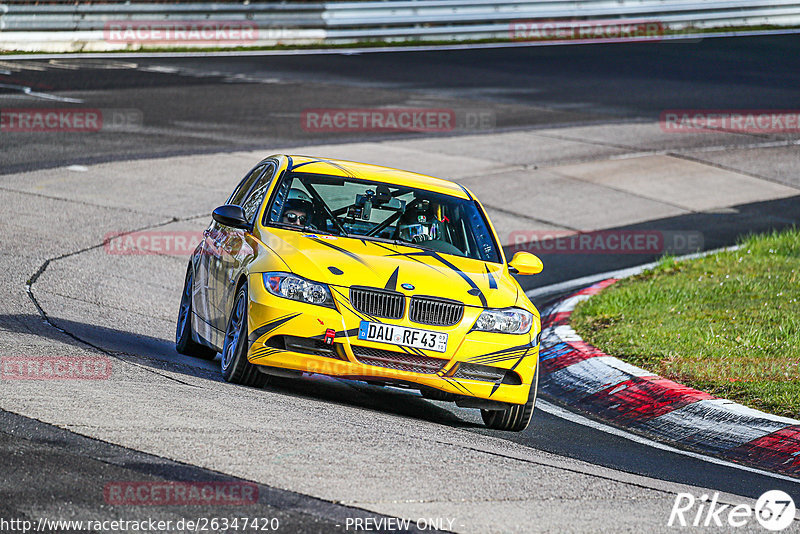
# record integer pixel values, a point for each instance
(183, 334)
(517, 417)
(235, 367)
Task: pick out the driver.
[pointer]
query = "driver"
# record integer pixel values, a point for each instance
(298, 208)
(419, 223)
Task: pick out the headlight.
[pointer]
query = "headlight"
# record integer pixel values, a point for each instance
(507, 321)
(290, 286)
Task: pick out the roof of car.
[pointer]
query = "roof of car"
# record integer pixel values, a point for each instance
(377, 173)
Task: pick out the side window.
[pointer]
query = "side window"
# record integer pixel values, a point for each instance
(244, 186)
(278, 200)
(256, 196)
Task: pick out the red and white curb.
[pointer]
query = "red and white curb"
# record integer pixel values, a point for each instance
(583, 377)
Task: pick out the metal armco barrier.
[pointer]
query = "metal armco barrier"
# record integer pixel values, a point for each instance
(61, 27)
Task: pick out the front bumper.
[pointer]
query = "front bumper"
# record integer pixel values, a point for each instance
(291, 335)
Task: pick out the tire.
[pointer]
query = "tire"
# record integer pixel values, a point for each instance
(235, 367)
(517, 417)
(183, 334)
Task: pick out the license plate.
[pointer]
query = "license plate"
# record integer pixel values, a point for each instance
(402, 335)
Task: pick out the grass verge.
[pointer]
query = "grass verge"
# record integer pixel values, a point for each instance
(728, 323)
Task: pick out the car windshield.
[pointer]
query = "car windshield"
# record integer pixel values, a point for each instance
(356, 208)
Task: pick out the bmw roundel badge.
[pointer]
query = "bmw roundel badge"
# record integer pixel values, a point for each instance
(407, 287)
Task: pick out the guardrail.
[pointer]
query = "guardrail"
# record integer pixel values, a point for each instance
(70, 26)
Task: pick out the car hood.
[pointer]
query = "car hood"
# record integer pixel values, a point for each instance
(349, 262)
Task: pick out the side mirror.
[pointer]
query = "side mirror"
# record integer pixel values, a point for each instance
(525, 263)
(232, 216)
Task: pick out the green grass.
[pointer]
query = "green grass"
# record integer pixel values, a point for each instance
(728, 324)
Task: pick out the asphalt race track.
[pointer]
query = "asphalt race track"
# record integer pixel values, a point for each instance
(550, 138)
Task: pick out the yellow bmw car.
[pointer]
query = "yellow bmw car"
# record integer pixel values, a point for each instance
(367, 273)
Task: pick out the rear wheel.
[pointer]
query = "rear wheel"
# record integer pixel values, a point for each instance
(235, 367)
(183, 334)
(517, 417)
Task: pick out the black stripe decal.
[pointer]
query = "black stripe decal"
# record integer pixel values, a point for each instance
(391, 284)
(340, 249)
(497, 384)
(463, 275)
(409, 350)
(443, 261)
(504, 354)
(407, 255)
(263, 353)
(345, 170)
(269, 327)
(498, 357)
(418, 351)
(492, 281)
(458, 385)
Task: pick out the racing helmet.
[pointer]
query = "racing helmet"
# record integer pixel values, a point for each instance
(419, 223)
(298, 200)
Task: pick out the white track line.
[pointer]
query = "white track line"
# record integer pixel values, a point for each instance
(374, 50)
(36, 94)
(584, 421)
